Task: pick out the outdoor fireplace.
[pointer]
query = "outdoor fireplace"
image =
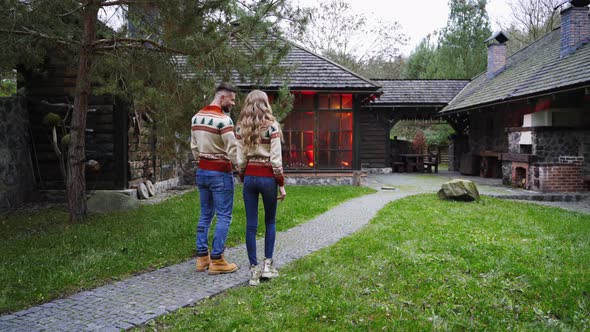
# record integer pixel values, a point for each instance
(551, 163)
(520, 174)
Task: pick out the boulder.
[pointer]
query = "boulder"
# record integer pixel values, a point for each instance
(459, 190)
(105, 201)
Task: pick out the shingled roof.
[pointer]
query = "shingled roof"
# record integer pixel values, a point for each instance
(313, 71)
(534, 70)
(309, 71)
(418, 92)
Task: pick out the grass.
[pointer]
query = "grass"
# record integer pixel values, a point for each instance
(45, 257)
(424, 265)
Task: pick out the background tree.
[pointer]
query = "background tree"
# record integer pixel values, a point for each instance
(456, 52)
(214, 37)
(420, 60)
(437, 135)
(384, 69)
(529, 21)
(350, 38)
(460, 52)
(419, 142)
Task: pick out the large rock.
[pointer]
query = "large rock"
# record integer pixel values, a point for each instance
(104, 201)
(459, 190)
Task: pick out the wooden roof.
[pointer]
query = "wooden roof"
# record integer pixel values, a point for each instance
(313, 71)
(418, 92)
(534, 70)
(309, 71)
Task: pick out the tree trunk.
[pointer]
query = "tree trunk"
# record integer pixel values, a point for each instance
(76, 180)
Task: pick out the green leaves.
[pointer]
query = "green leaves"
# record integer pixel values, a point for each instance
(459, 52)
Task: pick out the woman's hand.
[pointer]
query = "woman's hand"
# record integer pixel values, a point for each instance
(282, 193)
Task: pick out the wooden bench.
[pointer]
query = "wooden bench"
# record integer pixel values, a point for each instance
(431, 163)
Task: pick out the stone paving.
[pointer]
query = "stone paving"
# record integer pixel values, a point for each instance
(134, 301)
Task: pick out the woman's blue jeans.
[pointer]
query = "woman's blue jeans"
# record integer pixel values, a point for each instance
(255, 186)
(216, 191)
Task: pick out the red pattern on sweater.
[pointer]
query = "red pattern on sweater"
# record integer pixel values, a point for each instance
(265, 171)
(220, 165)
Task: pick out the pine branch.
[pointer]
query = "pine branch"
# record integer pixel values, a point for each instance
(133, 43)
(125, 2)
(28, 32)
(72, 11)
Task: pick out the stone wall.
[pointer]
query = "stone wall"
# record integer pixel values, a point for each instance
(326, 179)
(549, 145)
(16, 167)
(513, 142)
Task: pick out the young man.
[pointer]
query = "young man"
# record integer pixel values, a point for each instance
(213, 145)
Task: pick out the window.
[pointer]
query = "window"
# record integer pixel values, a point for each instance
(319, 137)
(298, 148)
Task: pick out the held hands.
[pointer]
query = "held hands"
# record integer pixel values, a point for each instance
(282, 193)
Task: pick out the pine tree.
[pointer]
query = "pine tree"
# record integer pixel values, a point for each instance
(214, 37)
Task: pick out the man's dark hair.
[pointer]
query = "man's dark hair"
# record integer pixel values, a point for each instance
(225, 87)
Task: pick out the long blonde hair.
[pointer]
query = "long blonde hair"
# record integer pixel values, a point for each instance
(255, 117)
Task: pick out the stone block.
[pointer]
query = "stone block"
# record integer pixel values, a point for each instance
(103, 202)
(460, 190)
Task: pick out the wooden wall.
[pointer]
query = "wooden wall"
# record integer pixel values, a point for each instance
(374, 139)
(106, 123)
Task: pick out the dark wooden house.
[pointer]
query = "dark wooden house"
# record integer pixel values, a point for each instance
(50, 89)
(527, 119)
(323, 133)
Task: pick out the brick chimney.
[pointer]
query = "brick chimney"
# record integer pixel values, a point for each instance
(575, 28)
(496, 53)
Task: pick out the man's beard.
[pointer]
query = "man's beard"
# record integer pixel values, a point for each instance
(226, 109)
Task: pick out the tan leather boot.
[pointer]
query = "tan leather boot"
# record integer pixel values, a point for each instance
(202, 263)
(220, 266)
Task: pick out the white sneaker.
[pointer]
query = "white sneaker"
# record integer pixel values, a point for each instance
(255, 273)
(268, 271)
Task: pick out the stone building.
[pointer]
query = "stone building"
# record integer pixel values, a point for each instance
(527, 119)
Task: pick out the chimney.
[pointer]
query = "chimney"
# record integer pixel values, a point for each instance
(575, 26)
(496, 53)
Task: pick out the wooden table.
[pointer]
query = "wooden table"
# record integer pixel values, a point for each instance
(414, 162)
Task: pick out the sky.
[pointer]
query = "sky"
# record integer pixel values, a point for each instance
(417, 19)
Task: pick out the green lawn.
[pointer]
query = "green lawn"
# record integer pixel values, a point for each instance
(424, 264)
(44, 256)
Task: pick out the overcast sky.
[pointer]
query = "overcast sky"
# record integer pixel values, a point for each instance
(418, 18)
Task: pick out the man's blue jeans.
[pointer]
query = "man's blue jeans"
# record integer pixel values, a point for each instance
(255, 186)
(217, 197)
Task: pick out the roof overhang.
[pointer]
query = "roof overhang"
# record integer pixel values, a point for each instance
(584, 86)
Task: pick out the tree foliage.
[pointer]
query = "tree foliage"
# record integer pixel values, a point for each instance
(351, 39)
(459, 52)
(197, 43)
(529, 21)
(434, 134)
(7, 87)
(421, 60)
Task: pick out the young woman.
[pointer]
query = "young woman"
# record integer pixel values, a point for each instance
(259, 138)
